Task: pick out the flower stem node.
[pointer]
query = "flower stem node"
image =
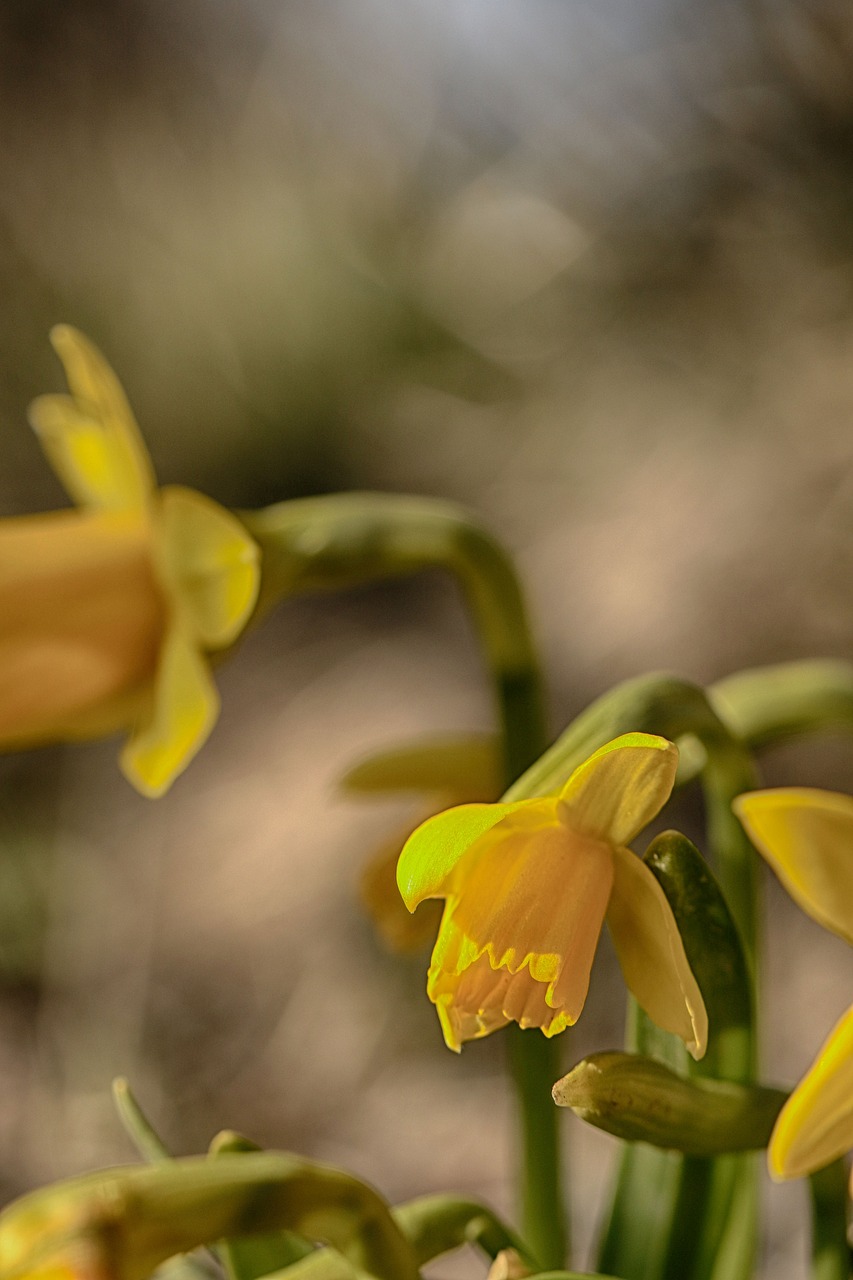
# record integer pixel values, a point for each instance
(527, 886)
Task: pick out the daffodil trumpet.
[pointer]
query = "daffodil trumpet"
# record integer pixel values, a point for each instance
(110, 611)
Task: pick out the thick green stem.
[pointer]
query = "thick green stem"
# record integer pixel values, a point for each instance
(534, 1061)
(535, 1065)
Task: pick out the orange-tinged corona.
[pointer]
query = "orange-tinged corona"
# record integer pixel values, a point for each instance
(527, 887)
(108, 611)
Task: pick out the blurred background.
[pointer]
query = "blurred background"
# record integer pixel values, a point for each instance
(583, 265)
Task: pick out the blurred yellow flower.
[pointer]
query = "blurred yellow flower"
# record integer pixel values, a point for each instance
(107, 612)
(451, 770)
(807, 837)
(527, 886)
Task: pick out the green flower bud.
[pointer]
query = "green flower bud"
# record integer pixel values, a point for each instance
(641, 1100)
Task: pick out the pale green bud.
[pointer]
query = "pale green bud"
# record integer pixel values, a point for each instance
(641, 1100)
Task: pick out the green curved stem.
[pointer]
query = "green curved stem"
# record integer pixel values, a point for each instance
(331, 543)
(434, 1225)
(766, 705)
(345, 540)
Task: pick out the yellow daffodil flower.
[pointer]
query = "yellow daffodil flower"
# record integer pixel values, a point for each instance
(451, 771)
(527, 886)
(807, 837)
(108, 612)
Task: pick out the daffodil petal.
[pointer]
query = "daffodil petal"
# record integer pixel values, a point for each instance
(621, 787)
(91, 438)
(815, 1125)
(184, 708)
(807, 837)
(651, 953)
(433, 850)
(210, 563)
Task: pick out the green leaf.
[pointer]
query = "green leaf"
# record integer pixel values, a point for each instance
(671, 1213)
(136, 1124)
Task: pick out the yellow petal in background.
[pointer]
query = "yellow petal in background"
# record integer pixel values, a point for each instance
(816, 1124)
(807, 837)
(621, 787)
(210, 563)
(651, 953)
(432, 852)
(91, 438)
(466, 767)
(183, 711)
